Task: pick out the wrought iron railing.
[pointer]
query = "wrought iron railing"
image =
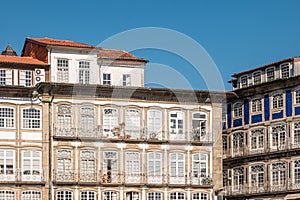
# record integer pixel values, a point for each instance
(19, 175)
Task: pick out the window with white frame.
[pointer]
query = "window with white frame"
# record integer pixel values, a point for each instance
(7, 117)
(64, 120)
(285, 70)
(154, 165)
(88, 195)
(126, 79)
(132, 166)
(279, 173)
(177, 165)
(5, 77)
(238, 109)
(257, 139)
(257, 176)
(244, 81)
(200, 196)
(296, 134)
(256, 78)
(278, 136)
(199, 126)
(31, 118)
(110, 166)
(296, 172)
(297, 96)
(87, 119)
(270, 74)
(7, 161)
(25, 78)
(7, 195)
(62, 70)
(64, 195)
(199, 165)
(238, 178)
(110, 120)
(110, 195)
(154, 124)
(31, 195)
(84, 72)
(237, 141)
(154, 196)
(176, 122)
(106, 79)
(177, 196)
(64, 162)
(225, 177)
(256, 105)
(87, 165)
(132, 195)
(132, 122)
(225, 144)
(277, 101)
(32, 162)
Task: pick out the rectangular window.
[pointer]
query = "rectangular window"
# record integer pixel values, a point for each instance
(31, 118)
(7, 195)
(154, 196)
(199, 165)
(110, 195)
(132, 167)
(31, 195)
(84, 72)
(110, 167)
(87, 195)
(62, 70)
(110, 121)
(7, 118)
(244, 81)
(126, 80)
(199, 126)
(32, 161)
(270, 74)
(238, 110)
(154, 124)
(133, 123)
(177, 165)
(7, 162)
(176, 123)
(256, 105)
(296, 135)
(25, 78)
(297, 96)
(278, 137)
(106, 79)
(297, 172)
(64, 164)
(5, 77)
(277, 101)
(285, 70)
(87, 121)
(87, 165)
(154, 167)
(256, 78)
(64, 121)
(64, 195)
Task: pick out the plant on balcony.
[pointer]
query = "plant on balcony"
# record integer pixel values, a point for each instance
(207, 181)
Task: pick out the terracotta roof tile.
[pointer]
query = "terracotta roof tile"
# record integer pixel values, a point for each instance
(56, 42)
(117, 54)
(23, 60)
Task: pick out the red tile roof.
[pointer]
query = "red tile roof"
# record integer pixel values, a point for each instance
(22, 60)
(118, 54)
(56, 42)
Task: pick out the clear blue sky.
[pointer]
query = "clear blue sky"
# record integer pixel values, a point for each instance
(238, 34)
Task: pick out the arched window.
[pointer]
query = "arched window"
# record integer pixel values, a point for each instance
(31, 195)
(237, 110)
(154, 167)
(110, 167)
(176, 125)
(277, 101)
(257, 140)
(132, 167)
(296, 135)
(257, 179)
(87, 165)
(64, 121)
(200, 196)
(177, 169)
(64, 195)
(64, 165)
(199, 125)
(237, 144)
(87, 121)
(154, 196)
(110, 121)
(238, 178)
(177, 196)
(278, 137)
(88, 195)
(199, 167)
(132, 123)
(256, 105)
(154, 124)
(296, 172)
(279, 175)
(110, 195)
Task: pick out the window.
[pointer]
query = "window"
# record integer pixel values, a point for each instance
(296, 171)
(278, 138)
(297, 96)
(64, 164)
(26, 78)
(199, 165)
(64, 195)
(132, 196)
(256, 78)
(154, 124)
(257, 176)
(270, 74)
(32, 163)
(200, 196)
(296, 135)
(277, 101)
(7, 162)
(126, 79)
(87, 121)
(176, 122)
(285, 70)
(154, 196)
(84, 72)
(87, 195)
(7, 195)
(225, 144)
(132, 167)
(7, 119)
(256, 105)
(31, 118)
(106, 79)
(238, 178)
(177, 167)
(110, 120)
(110, 167)
(64, 120)
(31, 195)
(279, 174)
(87, 165)
(5, 77)
(237, 110)
(177, 196)
(110, 195)
(154, 167)
(257, 139)
(199, 126)
(132, 121)
(244, 81)
(238, 144)
(62, 70)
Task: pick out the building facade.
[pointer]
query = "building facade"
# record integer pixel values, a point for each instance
(261, 131)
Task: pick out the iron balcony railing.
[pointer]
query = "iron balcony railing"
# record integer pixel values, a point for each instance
(19, 175)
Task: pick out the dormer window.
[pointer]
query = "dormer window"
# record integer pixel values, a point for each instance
(256, 78)
(285, 70)
(244, 81)
(270, 74)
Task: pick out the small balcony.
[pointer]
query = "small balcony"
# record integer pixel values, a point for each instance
(23, 176)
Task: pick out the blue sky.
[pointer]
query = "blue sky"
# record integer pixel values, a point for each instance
(237, 34)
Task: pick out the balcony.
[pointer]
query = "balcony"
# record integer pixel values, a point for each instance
(19, 176)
